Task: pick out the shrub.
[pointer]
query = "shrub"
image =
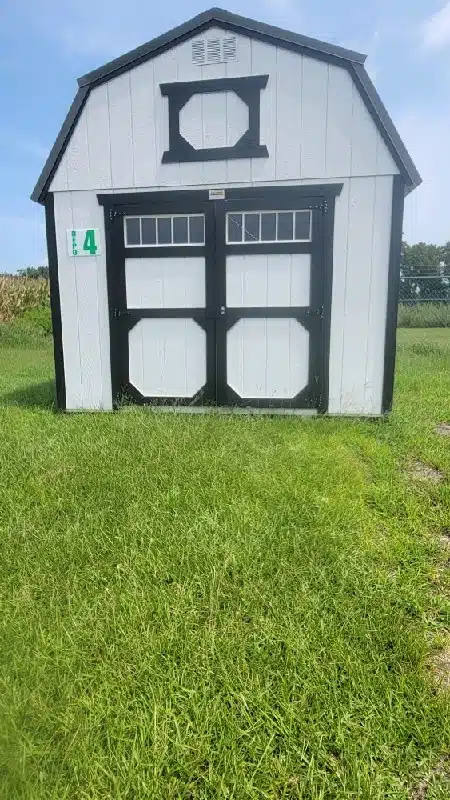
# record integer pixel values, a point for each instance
(19, 294)
(34, 272)
(424, 315)
(39, 317)
(19, 334)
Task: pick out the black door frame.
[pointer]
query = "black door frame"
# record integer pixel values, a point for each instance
(316, 318)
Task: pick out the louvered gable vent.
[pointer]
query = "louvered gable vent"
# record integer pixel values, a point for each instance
(214, 51)
(198, 51)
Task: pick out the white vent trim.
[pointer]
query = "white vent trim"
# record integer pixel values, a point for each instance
(214, 51)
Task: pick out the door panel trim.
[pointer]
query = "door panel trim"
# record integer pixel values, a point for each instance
(316, 318)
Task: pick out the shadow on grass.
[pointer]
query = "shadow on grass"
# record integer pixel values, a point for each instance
(38, 395)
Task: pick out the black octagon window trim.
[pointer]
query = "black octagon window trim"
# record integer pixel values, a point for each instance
(248, 146)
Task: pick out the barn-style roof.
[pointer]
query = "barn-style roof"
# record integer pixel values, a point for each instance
(217, 17)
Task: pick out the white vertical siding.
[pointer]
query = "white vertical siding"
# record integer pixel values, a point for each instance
(289, 114)
(357, 292)
(313, 122)
(316, 128)
(267, 358)
(73, 370)
(143, 121)
(360, 277)
(84, 306)
(313, 133)
(338, 319)
(365, 138)
(167, 357)
(338, 154)
(212, 118)
(225, 120)
(378, 294)
(360, 273)
(168, 68)
(239, 169)
(268, 280)
(177, 282)
(97, 114)
(121, 131)
(78, 165)
(264, 61)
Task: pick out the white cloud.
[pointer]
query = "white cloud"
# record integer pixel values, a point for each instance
(436, 30)
(426, 212)
(14, 140)
(103, 29)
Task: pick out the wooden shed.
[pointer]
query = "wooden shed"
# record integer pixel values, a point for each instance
(224, 211)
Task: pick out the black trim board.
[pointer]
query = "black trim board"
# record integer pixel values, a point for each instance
(55, 303)
(314, 48)
(267, 195)
(248, 89)
(384, 124)
(58, 149)
(315, 318)
(390, 341)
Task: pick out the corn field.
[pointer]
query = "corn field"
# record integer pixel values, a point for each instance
(19, 294)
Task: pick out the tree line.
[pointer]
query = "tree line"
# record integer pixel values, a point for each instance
(425, 272)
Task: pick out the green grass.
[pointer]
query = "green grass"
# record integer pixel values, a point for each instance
(424, 315)
(221, 607)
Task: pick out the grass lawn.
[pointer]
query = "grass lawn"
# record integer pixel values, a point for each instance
(223, 607)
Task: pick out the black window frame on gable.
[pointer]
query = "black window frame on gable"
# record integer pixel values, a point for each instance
(248, 146)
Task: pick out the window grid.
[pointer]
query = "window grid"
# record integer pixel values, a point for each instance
(295, 226)
(192, 239)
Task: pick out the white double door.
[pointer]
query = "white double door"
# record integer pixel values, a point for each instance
(218, 305)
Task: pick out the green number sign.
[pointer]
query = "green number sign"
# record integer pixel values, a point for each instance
(89, 242)
(83, 242)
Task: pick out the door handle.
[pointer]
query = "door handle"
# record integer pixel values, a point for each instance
(222, 311)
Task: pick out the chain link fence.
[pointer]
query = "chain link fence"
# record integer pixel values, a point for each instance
(424, 285)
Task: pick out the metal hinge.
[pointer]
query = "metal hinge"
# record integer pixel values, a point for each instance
(117, 313)
(113, 213)
(315, 312)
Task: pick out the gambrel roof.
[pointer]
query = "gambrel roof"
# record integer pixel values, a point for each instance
(352, 61)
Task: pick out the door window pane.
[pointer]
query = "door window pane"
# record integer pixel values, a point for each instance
(154, 231)
(196, 230)
(164, 230)
(148, 230)
(235, 227)
(251, 228)
(133, 231)
(285, 229)
(302, 225)
(268, 227)
(180, 230)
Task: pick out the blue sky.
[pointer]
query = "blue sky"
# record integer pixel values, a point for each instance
(46, 44)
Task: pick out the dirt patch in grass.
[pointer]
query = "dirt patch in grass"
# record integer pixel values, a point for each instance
(440, 667)
(441, 772)
(423, 471)
(443, 429)
(444, 536)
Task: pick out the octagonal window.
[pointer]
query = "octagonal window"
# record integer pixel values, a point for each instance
(213, 119)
